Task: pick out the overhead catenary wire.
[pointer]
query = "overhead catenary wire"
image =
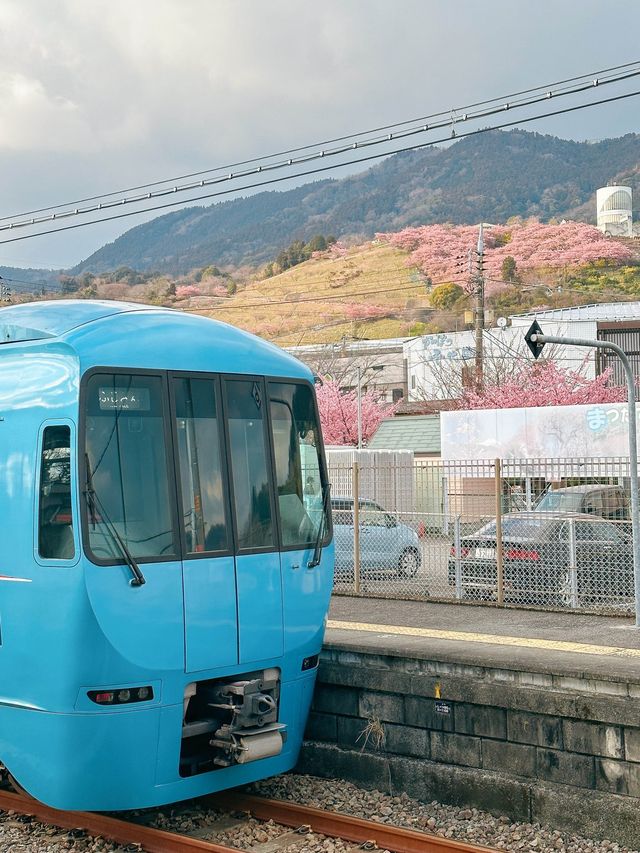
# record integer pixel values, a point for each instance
(454, 115)
(23, 281)
(304, 173)
(331, 297)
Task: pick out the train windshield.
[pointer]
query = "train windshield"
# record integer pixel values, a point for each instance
(199, 437)
(299, 476)
(248, 461)
(127, 467)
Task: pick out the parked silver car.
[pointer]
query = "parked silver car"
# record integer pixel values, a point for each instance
(385, 543)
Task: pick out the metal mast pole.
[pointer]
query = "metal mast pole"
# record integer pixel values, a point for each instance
(539, 340)
(359, 394)
(479, 311)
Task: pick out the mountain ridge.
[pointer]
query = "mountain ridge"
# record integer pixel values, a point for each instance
(491, 176)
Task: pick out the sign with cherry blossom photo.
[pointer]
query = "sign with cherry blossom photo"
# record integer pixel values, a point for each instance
(544, 432)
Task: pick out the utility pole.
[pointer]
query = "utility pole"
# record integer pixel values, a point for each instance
(359, 373)
(479, 310)
(359, 397)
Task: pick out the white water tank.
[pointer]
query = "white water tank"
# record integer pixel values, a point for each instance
(614, 211)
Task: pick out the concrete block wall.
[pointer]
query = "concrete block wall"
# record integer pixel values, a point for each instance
(533, 746)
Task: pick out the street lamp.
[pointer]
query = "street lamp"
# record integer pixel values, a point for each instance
(359, 372)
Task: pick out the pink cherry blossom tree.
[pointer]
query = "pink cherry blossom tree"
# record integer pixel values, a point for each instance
(339, 414)
(442, 251)
(364, 311)
(544, 384)
(186, 290)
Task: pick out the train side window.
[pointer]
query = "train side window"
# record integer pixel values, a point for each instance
(55, 517)
(201, 477)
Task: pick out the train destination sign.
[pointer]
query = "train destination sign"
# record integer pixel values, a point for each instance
(125, 399)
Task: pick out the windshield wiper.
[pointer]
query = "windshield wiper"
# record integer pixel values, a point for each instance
(93, 500)
(317, 551)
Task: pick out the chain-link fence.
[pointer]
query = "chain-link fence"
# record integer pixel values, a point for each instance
(536, 533)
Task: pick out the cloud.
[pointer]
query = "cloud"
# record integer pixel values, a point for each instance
(96, 96)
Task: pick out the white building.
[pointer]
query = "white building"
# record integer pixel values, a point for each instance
(377, 364)
(614, 207)
(440, 366)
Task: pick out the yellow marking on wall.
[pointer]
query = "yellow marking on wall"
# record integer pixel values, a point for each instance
(492, 639)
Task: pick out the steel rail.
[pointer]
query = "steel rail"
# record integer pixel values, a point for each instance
(386, 836)
(122, 831)
(333, 824)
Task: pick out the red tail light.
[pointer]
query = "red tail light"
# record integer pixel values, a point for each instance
(123, 696)
(521, 554)
(464, 552)
(103, 698)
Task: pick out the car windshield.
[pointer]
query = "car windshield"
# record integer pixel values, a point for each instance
(560, 502)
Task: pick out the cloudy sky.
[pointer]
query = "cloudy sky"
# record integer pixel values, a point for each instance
(99, 95)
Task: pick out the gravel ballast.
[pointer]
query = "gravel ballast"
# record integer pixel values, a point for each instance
(20, 834)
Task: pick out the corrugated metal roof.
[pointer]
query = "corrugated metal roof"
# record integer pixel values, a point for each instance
(350, 346)
(594, 311)
(420, 433)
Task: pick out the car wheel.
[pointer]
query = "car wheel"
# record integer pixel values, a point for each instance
(408, 563)
(564, 590)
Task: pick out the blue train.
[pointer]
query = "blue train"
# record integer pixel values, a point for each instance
(166, 555)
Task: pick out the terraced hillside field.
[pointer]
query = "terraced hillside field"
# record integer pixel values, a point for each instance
(367, 292)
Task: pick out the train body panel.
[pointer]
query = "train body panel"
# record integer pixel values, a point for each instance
(129, 759)
(163, 595)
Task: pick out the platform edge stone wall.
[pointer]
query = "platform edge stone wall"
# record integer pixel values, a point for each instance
(530, 746)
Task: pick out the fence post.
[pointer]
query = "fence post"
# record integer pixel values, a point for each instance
(458, 555)
(573, 564)
(356, 527)
(499, 566)
(445, 504)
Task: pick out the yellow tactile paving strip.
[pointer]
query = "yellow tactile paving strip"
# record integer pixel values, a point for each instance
(492, 639)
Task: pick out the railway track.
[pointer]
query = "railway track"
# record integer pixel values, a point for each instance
(304, 819)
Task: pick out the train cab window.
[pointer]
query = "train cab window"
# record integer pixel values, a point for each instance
(127, 473)
(55, 518)
(296, 443)
(249, 464)
(201, 478)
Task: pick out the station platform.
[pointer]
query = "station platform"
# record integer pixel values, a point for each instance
(575, 645)
(529, 714)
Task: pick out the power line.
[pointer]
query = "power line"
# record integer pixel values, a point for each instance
(329, 297)
(449, 123)
(332, 297)
(304, 173)
(454, 116)
(29, 283)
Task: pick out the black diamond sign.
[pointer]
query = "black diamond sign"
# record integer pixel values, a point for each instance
(535, 347)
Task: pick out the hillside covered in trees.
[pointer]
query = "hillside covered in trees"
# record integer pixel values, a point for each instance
(401, 283)
(491, 177)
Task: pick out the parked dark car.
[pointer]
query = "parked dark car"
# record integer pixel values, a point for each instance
(537, 564)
